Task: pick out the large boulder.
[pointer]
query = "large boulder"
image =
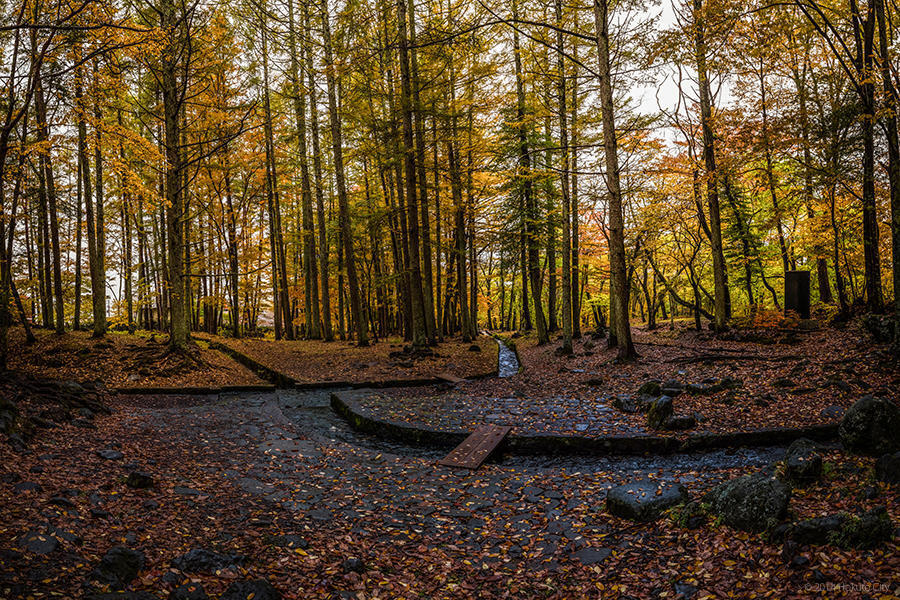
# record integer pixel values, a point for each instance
(660, 411)
(751, 503)
(644, 500)
(846, 531)
(871, 427)
(887, 468)
(802, 462)
(118, 567)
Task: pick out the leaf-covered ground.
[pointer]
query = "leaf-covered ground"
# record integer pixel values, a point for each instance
(310, 361)
(238, 472)
(123, 360)
(796, 379)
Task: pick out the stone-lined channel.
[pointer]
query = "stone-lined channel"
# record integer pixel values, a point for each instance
(311, 414)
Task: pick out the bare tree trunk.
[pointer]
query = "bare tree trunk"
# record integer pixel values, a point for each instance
(310, 267)
(618, 280)
(524, 186)
(46, 166)
(709, 157)
(173, 97)
(890, 126)
(327, 331)
(359, 316)
(409, 161)
(566, 347)
(419, 127)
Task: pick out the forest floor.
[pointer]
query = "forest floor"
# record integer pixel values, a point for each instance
(142, 360)
(762, 379)
(122, 360)
(218, 491)
(311, 361)
(278, 489)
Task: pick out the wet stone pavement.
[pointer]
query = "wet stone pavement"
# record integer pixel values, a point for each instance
(307, 464)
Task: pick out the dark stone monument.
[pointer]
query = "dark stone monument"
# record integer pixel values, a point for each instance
(796, 293)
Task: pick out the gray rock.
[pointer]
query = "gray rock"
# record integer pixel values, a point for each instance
(644, 500)
(650, 388)
(713, 386)
(291, 541)
(38, 542)
(752, 503)
(591, 556)
(118, 567)
(672, 388)
(802, 462)
(871, 427)
(817, 531)
(680, 422)
(201, 560)
(139, 480)
(110, 454)
(258, 589)
(27, 486)
(887, 468)
(631, 404)
(863, 531)
(353, 564)
(660, 411)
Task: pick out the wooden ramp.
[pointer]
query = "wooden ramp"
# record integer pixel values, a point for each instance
(476, 448)
(452, 379)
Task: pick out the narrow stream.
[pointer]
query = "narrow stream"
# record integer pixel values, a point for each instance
(507, 361)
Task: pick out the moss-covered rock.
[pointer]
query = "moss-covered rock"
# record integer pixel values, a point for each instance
(752, 503)
(871, 427)
(802, 463)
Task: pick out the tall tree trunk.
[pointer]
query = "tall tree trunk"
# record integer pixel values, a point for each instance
(359, 316)
(179, 337)
(864, 37)
(890, 127)
(409, 162)
(576, 279)
(564, 184)
(524, 186)
(327, 331)
(770, 171)
(79, 193)
(709, 158)
(419, 128)
(279, 264)
(46, 166)
(618, 281)
(310, 268)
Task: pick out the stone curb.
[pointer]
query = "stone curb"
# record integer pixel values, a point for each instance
(198, 391)
(346, 405)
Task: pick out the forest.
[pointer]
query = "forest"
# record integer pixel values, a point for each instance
(449, 299)
(363, 169)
